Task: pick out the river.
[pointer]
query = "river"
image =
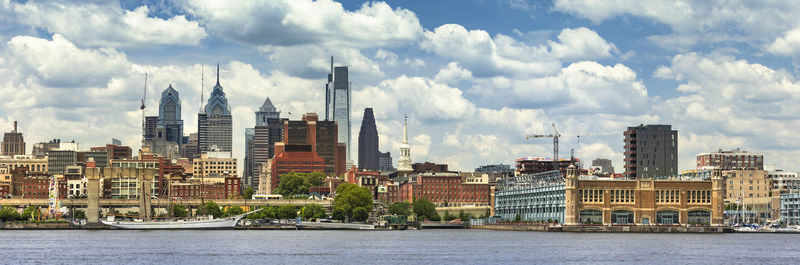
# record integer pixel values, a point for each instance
(391, 247)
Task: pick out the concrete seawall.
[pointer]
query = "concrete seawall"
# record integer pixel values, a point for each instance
(606, 229)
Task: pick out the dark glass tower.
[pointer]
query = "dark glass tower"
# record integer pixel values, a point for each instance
(169, 115)
(368, 153)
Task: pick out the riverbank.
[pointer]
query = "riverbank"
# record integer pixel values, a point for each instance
(605, 229)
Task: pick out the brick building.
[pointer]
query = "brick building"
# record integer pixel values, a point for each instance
(114, 151)
(294, 158)
(731, 159)
(445, 189)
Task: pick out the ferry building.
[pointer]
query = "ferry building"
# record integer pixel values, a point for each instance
(576, 200)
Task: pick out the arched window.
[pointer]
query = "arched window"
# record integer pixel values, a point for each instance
(667, 217)
(591, 217)
(622, 217)
(700, 217)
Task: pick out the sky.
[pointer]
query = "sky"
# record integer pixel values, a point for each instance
(473, 76)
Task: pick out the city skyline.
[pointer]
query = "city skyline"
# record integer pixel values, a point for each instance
(473, 86)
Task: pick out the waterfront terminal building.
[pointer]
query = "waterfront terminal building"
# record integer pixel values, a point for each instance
(590, 200)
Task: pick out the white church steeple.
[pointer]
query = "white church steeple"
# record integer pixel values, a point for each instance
(404, 162)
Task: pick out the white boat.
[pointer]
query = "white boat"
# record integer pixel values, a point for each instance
(228, 222)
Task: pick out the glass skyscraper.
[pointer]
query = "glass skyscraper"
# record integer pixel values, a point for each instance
(169, 115)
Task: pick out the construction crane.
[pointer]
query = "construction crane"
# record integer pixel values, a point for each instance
(555, 135)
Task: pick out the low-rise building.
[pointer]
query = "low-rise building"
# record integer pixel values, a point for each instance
(790, 208)
(591, 200)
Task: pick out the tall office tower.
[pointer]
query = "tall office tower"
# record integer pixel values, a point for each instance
(368, 153)
(169, 115)
(268, 131)
(337, 103)
(249, 147)
(404, 162)
(13, 143)
(651, 151)
(215, 123)
(150, 125)
(321, 136)
(385, 161)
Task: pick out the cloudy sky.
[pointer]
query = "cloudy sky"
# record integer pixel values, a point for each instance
(474, 76)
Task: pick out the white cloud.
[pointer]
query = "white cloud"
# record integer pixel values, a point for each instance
(94, 24)
(452, 73)
(788, 44)
(299, 22)
(313, 61)
(694, 21)
(55, 62)
(503, 55)
(582, 87)
(581, 44)
(483, 55)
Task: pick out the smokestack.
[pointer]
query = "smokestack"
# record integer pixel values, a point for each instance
(15, 126)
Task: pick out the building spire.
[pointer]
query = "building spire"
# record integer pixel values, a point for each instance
(405, 129)
(217, 74)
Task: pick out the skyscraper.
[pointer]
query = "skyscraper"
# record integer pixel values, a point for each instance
(249, 147)
(13, 143)
(215, 123)
(169, 115)
(404, 162)
(337, 103)
(385, 161)
(651, 151)
(368, 153)
(268, 131)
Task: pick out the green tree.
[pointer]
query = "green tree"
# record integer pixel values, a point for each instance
(80, 215)
(248, 193)
(266, 212)
(400, 208)
(339, 214)
(287, 212)
(517, 218)
(177, 210)
(464, 216)
(448, 216)
(424, 208)
(32, 213)
(234, 211)
(360, 214)
(349, 197)
(210, 208)
(8, 213)
(298, 183)
(313, 210)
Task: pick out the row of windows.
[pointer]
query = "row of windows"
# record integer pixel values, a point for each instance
(668, 196)
(622, 196)
(698, 196)
(595, 195)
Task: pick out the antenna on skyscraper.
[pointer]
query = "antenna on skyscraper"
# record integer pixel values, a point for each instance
(202, 85)
(144, 96)
(328, 92)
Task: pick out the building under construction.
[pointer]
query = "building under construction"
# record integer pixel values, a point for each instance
(533, 165)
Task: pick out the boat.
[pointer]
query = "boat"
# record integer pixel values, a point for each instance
(228, 222)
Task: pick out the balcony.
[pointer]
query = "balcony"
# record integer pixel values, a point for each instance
(629, 146)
